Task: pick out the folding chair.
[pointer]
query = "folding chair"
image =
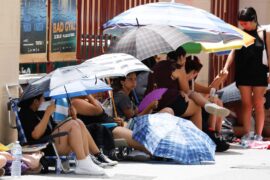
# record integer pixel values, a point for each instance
(14, 109)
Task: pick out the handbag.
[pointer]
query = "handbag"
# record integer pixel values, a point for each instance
(265, 53)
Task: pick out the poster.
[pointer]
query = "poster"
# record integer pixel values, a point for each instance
(33, 30)
(63, 29)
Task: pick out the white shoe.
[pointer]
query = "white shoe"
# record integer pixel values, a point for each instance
(88, 167)
(214, 109)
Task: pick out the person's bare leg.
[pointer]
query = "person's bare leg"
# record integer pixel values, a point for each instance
(121, 132)
(258, 102)
(3, 161)
(167, 110)
(246, 99)
(72, 142)
(198, 99)
(195, 113)
(212, 122)
(218, 120)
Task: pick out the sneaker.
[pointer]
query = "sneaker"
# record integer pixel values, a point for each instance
(88, 167)
(221, 144)
(136, 155)
(257, 137)
(97, 162)
(214, 109)
(104, 159)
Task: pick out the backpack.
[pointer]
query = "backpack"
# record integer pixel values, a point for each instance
(102, 136)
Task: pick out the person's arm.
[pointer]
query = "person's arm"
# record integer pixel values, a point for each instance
(41, 127)
(228, 62)
(87, 106)
(181, 76)
(201, 89)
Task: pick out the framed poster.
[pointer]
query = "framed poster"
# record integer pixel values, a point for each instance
(63, 30)
(33, 31)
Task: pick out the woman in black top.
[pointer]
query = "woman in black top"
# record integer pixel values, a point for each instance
(39, 125)
(250, 73)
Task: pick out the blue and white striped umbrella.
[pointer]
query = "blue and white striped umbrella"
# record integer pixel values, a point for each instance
(168, 136)
(197, 23)
(81, 87)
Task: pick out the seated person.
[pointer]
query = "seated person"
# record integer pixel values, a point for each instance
(90, 111)
(124, 102)
(193, 67)
(171, 74)
(38, 125)
(213, 129)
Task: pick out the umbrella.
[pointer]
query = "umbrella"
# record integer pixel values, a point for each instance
(119, 64)
(76, 88)
(220, 47)
(156, 94)
(59, 77)
(89, 69)
(195, 22)
(168, 136)
(146, 41)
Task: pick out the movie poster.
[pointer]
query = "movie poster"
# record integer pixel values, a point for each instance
(33, 29)
(63, 29)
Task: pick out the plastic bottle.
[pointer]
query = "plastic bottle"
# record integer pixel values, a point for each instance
(212, 92)
(16, 152)
(246, 139)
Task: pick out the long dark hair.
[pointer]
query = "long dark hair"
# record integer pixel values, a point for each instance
(28, 102)
(173, 56)
(193, 63)
(116, 84)
(248, 14)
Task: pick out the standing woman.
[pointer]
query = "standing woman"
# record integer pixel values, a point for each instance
(250, 73)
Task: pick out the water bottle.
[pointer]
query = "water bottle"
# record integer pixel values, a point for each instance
(212, 92)
(246, 139)
(16, 152)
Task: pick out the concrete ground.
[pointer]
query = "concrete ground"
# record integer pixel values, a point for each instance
(236, 163)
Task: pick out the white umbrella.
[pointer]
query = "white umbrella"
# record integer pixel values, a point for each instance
(118, 64)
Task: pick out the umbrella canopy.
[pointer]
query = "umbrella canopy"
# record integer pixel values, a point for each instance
(99, 67)
(200, 24)
(168, 136)
(156, 94)
(76, 88)
(59, 77)
(119, 64)
(146, 41)
(220, 47)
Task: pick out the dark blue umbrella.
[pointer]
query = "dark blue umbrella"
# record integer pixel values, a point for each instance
(168, 136)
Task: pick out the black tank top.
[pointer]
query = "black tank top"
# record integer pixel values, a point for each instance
(249, 69)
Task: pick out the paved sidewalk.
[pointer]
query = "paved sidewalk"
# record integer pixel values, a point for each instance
(235, 164)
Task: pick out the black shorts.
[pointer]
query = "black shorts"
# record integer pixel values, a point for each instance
(179, 106)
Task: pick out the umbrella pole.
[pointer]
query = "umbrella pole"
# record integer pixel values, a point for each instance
(68, 98)
(112, 99)
(113, 104)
